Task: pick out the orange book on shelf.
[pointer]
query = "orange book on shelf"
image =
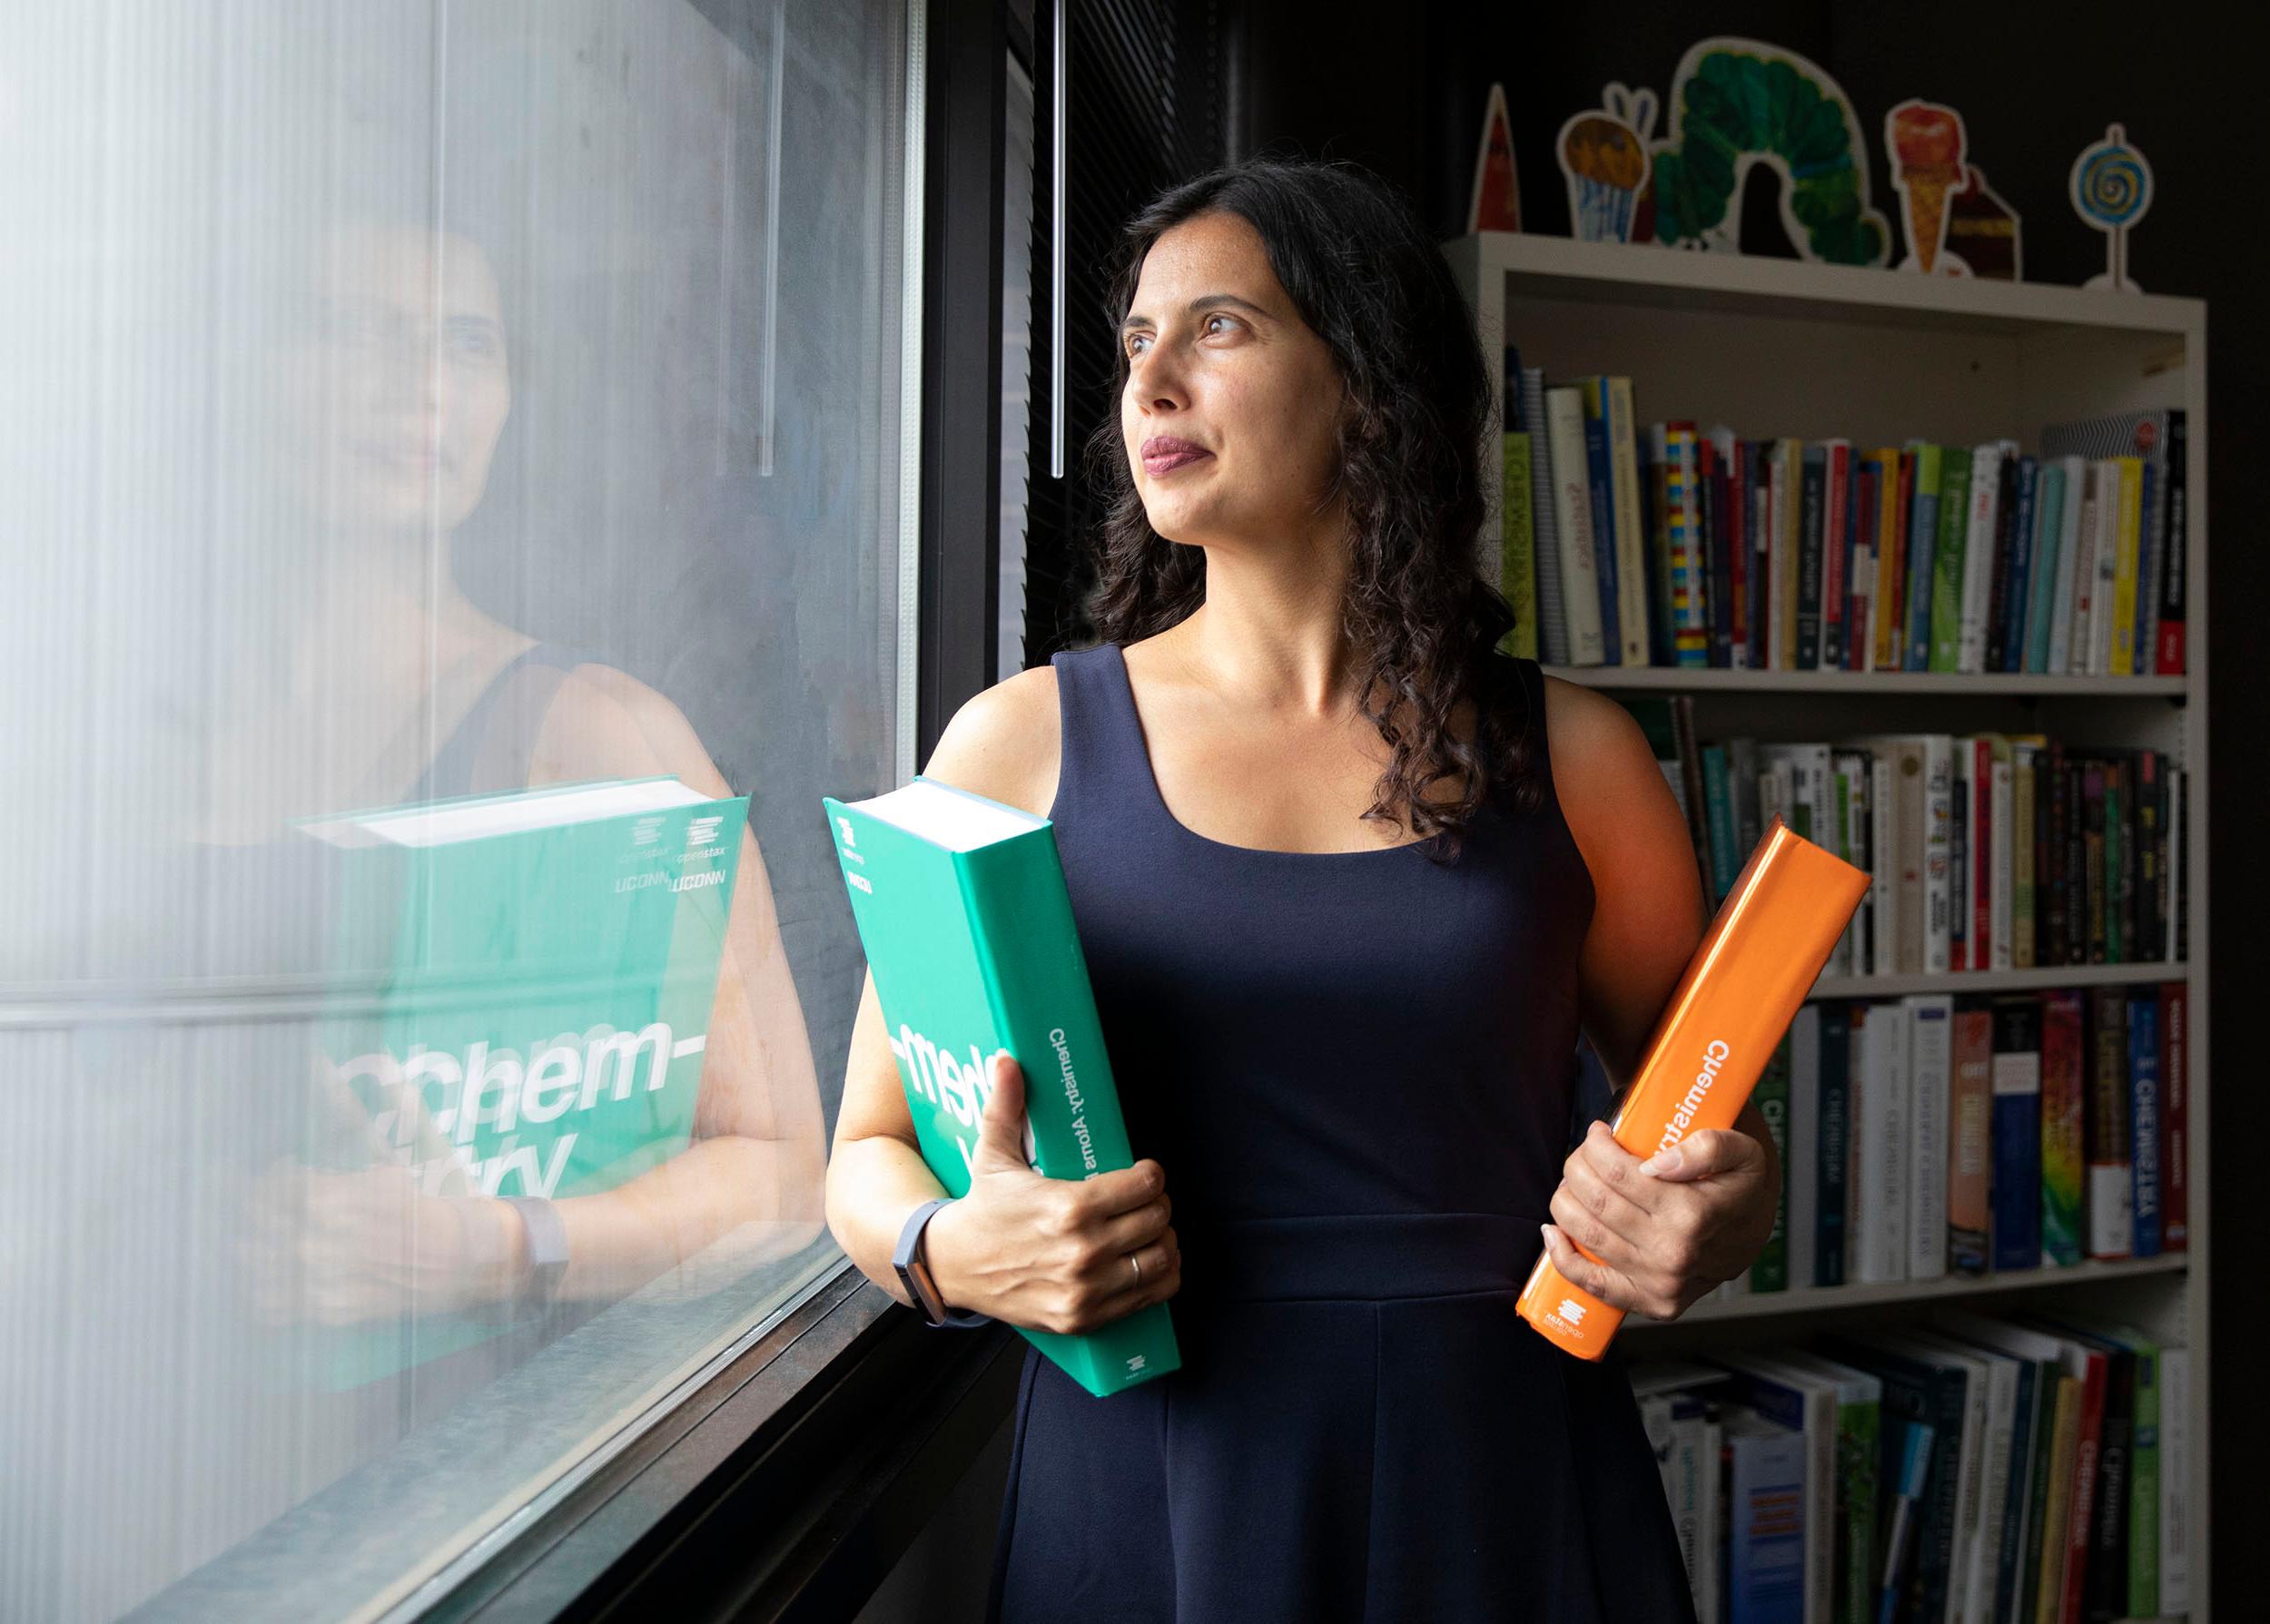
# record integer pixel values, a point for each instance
(1738, 995)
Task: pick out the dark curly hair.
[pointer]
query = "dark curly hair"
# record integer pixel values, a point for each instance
(1369, 281)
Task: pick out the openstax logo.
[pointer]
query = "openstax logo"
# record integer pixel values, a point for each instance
(1572, 1311)
(1134, 1365)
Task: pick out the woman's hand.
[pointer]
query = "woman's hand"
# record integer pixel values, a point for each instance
(1051, 1254)
(1666, 1230)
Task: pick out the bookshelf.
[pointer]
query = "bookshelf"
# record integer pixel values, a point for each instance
(1783, 347)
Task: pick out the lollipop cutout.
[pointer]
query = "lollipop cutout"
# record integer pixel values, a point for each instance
(2112, 187)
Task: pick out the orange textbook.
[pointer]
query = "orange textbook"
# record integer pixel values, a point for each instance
(1739, 994)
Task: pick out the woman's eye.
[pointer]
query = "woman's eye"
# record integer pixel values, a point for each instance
(1218, 316)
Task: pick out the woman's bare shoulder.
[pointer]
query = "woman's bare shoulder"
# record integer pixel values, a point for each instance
(1602, 763)
(1005, 743)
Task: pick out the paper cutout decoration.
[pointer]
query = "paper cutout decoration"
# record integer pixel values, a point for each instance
(1496, 206)
(1983, 229)
(1604, 163)
(1927, 144)
(2112, 187)
(1764, 104)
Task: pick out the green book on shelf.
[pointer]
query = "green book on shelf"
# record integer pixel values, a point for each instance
(1946, 558)
(969, 933)
(521, 987)
(1769, 1271)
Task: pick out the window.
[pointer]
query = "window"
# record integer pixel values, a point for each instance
(410, 402)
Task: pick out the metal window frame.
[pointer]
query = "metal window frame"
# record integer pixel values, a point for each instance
(789, 1483)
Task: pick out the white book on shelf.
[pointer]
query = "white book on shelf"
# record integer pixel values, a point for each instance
(2070, 533)
(1977, 557)
(1572, 524)
(1876, 1243)
(1939, 873)
(1885, 895)
(1803, 1161)
(1929, 1029)
(1848, 786)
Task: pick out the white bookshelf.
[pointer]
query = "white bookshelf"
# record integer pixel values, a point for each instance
(1782, 348)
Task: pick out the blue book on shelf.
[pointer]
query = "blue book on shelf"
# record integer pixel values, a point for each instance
(2014, 1131)
(2049, 515)
(1601, 472)
(1835, 1116)
(2022, 566)
(1765, 1526)
(2143, 1123)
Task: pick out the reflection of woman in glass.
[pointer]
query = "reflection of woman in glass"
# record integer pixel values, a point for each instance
(388, 685)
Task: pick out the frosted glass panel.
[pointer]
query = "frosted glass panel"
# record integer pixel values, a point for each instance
(407, 401)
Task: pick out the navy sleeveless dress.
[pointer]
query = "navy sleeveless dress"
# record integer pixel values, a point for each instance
(1356, 1068)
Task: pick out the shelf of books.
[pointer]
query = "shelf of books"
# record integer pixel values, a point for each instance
(1914, 563)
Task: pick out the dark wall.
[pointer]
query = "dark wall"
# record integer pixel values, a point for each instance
(2034, 84)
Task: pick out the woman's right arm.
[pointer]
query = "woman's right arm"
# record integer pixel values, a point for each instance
(1042, 1253)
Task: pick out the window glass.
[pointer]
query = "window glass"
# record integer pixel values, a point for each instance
(410, 402)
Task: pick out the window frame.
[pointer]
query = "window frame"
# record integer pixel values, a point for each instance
(788, 1480)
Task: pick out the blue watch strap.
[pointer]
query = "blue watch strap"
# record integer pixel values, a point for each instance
(909, 1244)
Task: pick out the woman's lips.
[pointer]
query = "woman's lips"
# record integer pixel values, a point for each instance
(1169, 461)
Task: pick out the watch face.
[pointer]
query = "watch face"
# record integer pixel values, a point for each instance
(924, 1286)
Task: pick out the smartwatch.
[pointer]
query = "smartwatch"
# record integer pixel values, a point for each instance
(913, 1263)
(548, 1248)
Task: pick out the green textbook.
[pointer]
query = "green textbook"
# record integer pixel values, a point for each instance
(521, 987)
(961, 907)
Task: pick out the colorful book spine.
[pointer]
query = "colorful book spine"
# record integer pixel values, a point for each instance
(1765, 1530)
(2042, 591)
(2176, 552)
(1975, 586)
(1922, 549)
(2063, 1107)
(2111, 1163)
(1769, 1271)
(1691, 641)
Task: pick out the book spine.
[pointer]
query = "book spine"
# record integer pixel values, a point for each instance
(1042, 1004)
(2143, 1600)
(2143, 1119)
(2042, 589)
(1797, 1057)
(1978, 560)
(2106, 580)
(1931, 1058)
(1600, 493)
(2081, 1520)
(2106, 1592)
(1947, 578)
(1834, 1227)
(1815, 496)
(1883, 865)
(1741, 546)
(2003, 847)
(1552, 613)
(2012, 618)
(2169, 661)
(2175, 1479)
(2063, 1114)
(2125, 548)
(1970, 1110)
(1689, 596)
(1572, 520)
(2175, 1133)
(2145, 629)
(2024, 824)
(1868, 504)
(1716, 573)
(1789, 473)
(2111, 1165)
(1922, 550)
(1769, 1271)
(1719, 806)
(1517, 556)
(1631, 539)
(2017, 1134)
(2073, 513)
(1939, 873)
(1836, 554)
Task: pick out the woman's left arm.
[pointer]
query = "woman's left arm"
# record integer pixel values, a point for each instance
(1662, 1232)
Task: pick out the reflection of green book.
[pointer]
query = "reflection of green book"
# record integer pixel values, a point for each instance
(520, 998)
(969, 932)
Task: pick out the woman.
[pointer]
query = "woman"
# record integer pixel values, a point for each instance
(1348, 882)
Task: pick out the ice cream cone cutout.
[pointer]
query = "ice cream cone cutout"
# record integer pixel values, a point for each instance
(1605, 160)
(1928, 146)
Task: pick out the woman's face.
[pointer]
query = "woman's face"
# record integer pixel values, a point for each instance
(399, 388)
(1219, 357)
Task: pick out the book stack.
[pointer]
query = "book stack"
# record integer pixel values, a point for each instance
(1936, 1135)
(1671, 544)
(1987, 850)
(1962, 1469)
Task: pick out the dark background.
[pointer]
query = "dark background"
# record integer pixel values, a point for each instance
(1403, 92)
